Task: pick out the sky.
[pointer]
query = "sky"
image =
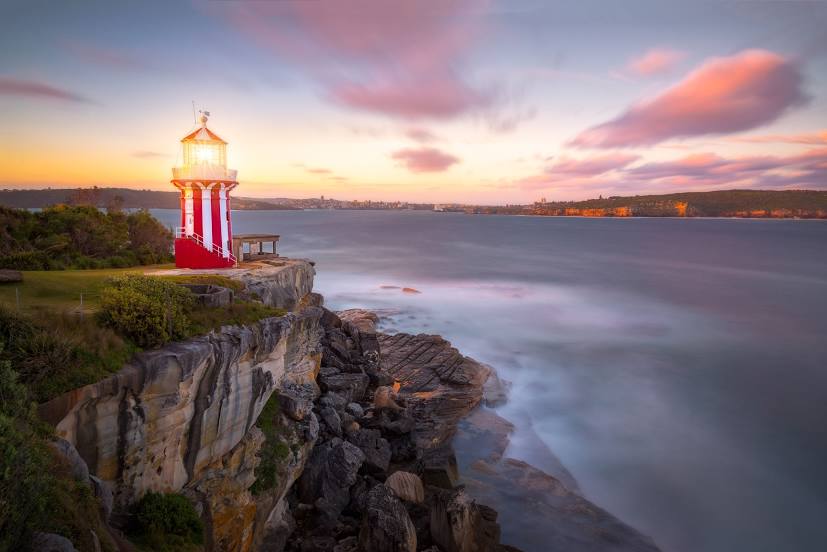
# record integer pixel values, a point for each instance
(468, 101)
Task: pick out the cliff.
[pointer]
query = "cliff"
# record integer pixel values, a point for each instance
(307, 432)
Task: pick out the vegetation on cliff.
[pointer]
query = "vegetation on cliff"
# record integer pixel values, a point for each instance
(166, 522)
(37, 489)
(274, 451)
(84, 237)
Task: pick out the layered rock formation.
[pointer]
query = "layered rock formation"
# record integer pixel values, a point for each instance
(314, 432)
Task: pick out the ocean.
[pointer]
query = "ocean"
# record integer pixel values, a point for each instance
(677, 367)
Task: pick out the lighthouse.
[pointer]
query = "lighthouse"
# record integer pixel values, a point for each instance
(204, 237)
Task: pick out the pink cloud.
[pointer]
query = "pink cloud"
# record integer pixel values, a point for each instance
(421, 135)
(399, 59)
(423, 160)
(655, 61)
(16, 87)
(592, 166)
(812, 138)
(701, 171)
(723, 95)
(441, 96)
(103, 56)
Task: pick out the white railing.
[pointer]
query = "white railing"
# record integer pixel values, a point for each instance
(181, 232)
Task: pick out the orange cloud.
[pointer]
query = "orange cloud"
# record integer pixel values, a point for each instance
(723, 95)
(813, 138)
(655, 61)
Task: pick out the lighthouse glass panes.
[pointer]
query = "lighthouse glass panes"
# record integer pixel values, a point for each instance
(205, 152)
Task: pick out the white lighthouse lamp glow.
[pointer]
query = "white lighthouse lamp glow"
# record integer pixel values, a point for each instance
(203, 147)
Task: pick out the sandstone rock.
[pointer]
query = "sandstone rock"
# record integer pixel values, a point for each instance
(67, 451)
(495, 391)
(281, 286)
(330, 320)
(458, 524)
(209, 295)
(50, 542)
(296, 401)
(386, 527)
(439, 385)
(278, 528)
(439, 467)
(350, 386)
(10, 276)
(328, 476)
(104, 495)
(376, 449)
(173, 418)
(407, 486)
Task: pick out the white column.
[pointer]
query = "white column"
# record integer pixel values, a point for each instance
(189, 216)
(222, 209)
(206, 215)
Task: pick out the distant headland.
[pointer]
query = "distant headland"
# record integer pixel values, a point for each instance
(808, 204)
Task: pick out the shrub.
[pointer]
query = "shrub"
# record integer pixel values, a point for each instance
(166, 522)
(149, 311)
(274, 451)
(25, 478)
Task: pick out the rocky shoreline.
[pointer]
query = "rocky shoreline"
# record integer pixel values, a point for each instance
(316, 432)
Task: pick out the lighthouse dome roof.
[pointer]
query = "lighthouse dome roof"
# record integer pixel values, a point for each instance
(202, 134)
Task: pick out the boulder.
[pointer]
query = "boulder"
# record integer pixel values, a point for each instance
(334, 401)
(407, 486)
(386, 526)
(330, 320)
(332, 420)
(439, 467)
(296, 401)
(50, 542)
(77, 467)
(10, 276)
(330, 472)
(377, 450)
(384, 398)
(355, 410)
(350, 386)
(458, 524)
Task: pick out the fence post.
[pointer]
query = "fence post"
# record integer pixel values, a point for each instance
(17, 297)
(81, 305)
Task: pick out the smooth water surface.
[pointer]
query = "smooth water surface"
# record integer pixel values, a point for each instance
(678, 367)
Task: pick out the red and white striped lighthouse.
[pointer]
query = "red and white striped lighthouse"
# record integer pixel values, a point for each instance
(204, 239)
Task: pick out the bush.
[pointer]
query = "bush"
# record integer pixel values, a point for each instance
(149, 311)
(166, 522)
(274, 451)
(25, 479)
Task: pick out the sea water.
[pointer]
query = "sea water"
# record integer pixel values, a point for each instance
(677, 367)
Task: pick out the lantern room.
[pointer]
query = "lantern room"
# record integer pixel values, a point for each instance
(204, 238)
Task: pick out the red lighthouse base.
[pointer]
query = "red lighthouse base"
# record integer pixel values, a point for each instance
(189, 254)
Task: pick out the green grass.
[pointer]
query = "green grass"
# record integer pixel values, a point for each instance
(61, 289)
(59, 350)
(239, 313)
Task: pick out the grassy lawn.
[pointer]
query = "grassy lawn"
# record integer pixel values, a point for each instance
(61, 289)
(54, 349)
